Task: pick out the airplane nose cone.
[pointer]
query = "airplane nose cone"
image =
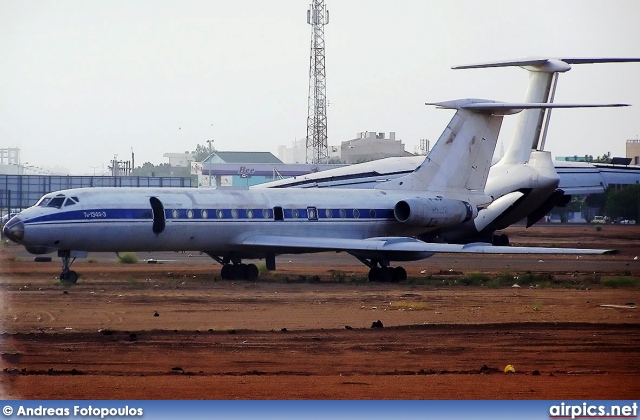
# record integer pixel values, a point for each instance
(14, 229)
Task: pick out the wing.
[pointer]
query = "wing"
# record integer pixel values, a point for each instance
(395, 248)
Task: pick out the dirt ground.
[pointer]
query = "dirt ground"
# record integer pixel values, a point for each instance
(568, 325)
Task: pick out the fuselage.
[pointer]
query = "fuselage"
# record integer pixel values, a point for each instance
(534, 181)
(216, 221)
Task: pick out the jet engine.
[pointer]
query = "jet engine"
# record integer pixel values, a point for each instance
(433, 212)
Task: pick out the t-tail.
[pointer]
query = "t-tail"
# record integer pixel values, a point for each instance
(461, 158)
(532, 125)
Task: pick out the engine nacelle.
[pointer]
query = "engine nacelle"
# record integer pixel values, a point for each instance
(433, 212)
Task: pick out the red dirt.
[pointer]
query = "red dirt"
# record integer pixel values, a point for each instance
(173, 331)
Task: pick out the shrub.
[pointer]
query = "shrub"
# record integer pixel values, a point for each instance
(128, 258)
(616, 282)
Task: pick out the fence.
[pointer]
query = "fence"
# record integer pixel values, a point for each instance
(18, 192)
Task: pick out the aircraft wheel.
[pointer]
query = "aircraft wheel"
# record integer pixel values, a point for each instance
(399, 274)
(387, 275)
(69, 276)
(383, 274)
(500, 240)
(240, 271)
(226, 272)
(375, 274)
(251, 272)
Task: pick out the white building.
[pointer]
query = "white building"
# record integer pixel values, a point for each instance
(297, 153)
(369, 145)
(180, 160)
(10, 161)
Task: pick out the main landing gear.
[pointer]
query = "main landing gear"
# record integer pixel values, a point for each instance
(381, 272)
(239, 272)
(67, 275)
(233, 269)
(500, 240)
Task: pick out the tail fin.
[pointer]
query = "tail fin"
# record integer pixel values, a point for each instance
(461, 158)
(532, 125)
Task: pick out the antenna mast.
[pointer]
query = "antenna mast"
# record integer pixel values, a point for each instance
(317, 147)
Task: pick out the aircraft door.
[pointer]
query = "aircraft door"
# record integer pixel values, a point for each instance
(158, 215)
(278, 213)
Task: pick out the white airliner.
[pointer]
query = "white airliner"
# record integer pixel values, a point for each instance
(375, 225)
(524, 182)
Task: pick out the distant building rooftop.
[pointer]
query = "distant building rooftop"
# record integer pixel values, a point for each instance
(244, 157)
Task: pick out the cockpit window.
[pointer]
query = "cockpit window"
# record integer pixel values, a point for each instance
(56, 201)
(71, 201)
(43, 201)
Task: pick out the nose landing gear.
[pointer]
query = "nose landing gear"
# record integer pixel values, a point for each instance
(68, 257)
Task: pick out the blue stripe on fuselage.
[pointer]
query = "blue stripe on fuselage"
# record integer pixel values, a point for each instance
(114, 215)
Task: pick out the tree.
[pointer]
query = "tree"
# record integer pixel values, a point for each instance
(605, 158)
(202, 152)
(164, 169)
(598, 201)
(624, 203)
(575, 205)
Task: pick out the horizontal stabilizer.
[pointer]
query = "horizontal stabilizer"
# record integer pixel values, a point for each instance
(546, 64)
(489, 106)
(532, 124)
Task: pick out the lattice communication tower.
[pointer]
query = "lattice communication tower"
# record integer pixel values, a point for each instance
(317, 147)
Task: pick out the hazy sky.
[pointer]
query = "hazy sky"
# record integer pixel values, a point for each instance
(82, 81)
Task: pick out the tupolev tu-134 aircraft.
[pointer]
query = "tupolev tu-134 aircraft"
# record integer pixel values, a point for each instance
(377, 226)
(525, 183)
